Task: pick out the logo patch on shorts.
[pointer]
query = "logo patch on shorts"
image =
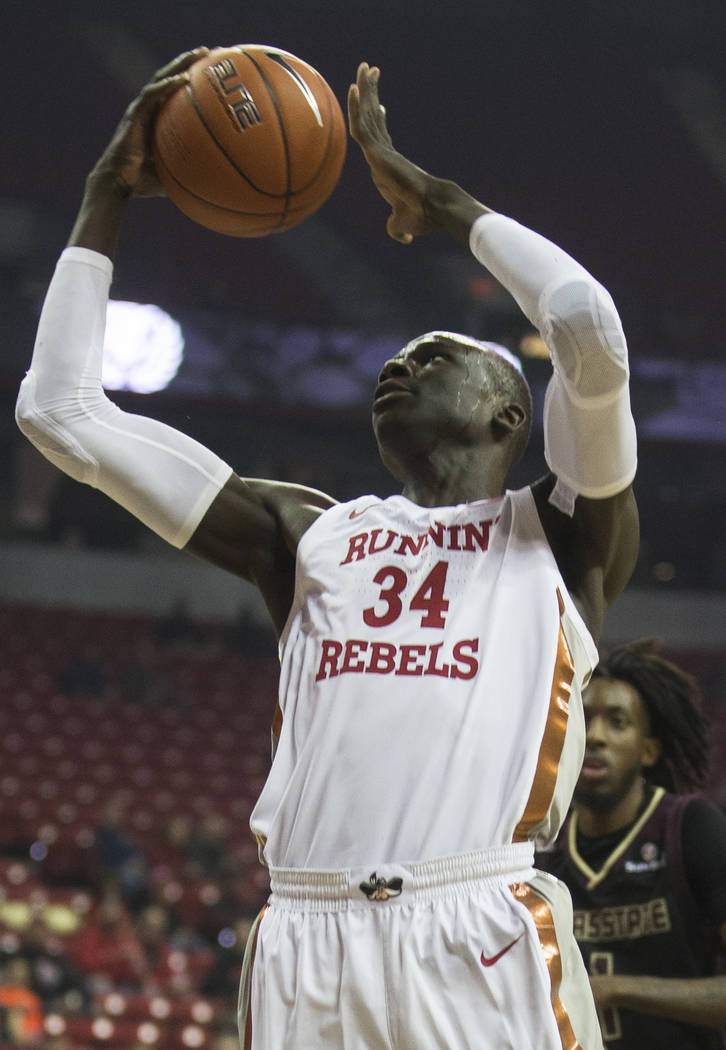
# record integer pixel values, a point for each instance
(379, 889)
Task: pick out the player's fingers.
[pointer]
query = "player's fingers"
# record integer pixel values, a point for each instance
(354, 116)
(360, 117)
(156, 93)
(366, 115)
(180, 63)
(394, 230)
(166, 86)
(361, 73)
(367, 81)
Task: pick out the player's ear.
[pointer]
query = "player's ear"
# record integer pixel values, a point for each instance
(651, 751)
(510, 417)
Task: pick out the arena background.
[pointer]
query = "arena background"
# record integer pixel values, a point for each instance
(137, 684)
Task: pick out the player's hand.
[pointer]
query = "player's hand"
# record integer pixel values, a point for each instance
(402, 184)
(128, 158)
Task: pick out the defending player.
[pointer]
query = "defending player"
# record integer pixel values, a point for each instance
(644, 860)
(433, 645)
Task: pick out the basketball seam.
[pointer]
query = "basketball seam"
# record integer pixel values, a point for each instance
(329, 143)
(330, 127)
(225, 209)
(328, 148)
(283, 132)
(221, 207)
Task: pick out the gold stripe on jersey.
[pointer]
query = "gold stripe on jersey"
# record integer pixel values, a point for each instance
(553, 738)
(540, 911)
(596, 877)
(245, 1004)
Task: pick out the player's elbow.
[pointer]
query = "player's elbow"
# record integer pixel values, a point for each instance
(28, 416)
(586, 336)
(46, 426)
(22, 405)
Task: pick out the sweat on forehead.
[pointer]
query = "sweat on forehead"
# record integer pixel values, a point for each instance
(465, 340)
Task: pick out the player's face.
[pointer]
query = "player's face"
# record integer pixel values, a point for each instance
(618, 743)
(434, 390)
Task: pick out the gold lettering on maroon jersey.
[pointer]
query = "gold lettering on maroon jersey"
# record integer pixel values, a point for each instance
(627, 922)
(601, 963)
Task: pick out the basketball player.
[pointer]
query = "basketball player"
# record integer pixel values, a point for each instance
(433, 645)
(644, 860)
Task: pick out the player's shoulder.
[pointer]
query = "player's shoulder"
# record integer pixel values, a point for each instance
(252, 522)
(596, 548)
(294, 507)
(288, 495)
(700, 814)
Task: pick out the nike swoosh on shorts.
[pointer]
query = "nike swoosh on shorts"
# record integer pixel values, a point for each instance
(490, 960)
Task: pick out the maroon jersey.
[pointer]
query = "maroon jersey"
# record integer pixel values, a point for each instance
(635, 913)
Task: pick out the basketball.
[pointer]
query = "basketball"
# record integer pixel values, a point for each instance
(253, 144)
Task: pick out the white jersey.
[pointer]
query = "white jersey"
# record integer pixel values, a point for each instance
(430, 690)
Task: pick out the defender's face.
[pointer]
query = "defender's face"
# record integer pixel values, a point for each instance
(435, 388)
(618, 743)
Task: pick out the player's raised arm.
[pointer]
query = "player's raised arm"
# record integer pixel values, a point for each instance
(125, 168)
(590, 442)
(180, 489)
(420, 202)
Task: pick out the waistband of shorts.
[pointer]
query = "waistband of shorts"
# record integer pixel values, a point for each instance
(387, 882)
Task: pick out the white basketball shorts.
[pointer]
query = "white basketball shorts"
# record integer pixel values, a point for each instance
(473, 951)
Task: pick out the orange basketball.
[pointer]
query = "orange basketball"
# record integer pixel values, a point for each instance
(253, 144)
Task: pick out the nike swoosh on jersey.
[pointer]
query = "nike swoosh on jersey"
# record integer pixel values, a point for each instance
(357, 513)
(490, 960)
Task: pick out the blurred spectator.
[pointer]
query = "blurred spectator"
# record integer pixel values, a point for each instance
(107, 947)
(21, 1010)
(175, 960)
(153, 926)
(236, 895)
(51, 973)
(205, 849)
(119, 856)
(178, 832)
(84, 675)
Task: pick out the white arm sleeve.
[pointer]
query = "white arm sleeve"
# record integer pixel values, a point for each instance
(164, 478)
(590, 442)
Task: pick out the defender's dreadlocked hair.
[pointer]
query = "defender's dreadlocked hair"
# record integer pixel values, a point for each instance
(672, 698)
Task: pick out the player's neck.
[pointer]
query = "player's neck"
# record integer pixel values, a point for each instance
(442, 481)
(594, 823)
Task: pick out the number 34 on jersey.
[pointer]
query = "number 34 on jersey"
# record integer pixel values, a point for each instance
(380, 656)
